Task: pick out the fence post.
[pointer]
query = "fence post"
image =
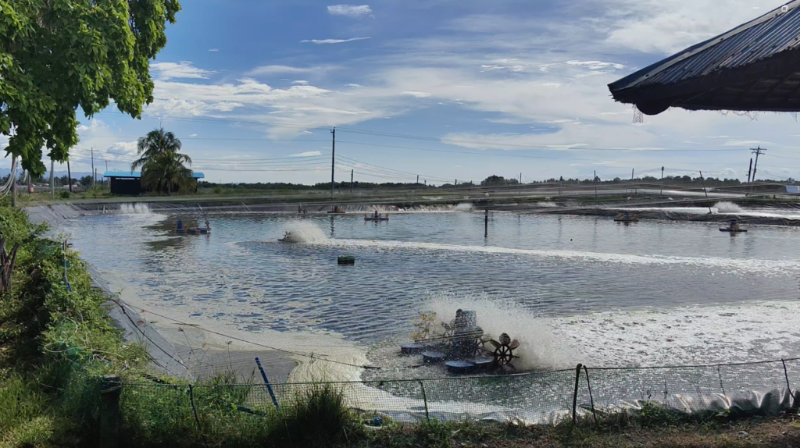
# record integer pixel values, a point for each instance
(424, 400)
(591, 398)
(110, 392)
(788, 387)
(269, 386)
(575, 394)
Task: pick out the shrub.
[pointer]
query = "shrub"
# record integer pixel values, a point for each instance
(317, 416)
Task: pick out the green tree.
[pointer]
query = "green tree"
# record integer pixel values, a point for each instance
(162, 162)
(56, 55)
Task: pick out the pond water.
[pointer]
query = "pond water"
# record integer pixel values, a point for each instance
(571, 289)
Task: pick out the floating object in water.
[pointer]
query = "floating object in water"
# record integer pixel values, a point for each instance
(463, 346)
(192, 230)
(336, 209)
(411, 349)
(289, 237)
(626, 218)
(459, 366)
(432, 357)
(346, 259)
(483, 362)
(733, 227)
(376, 217)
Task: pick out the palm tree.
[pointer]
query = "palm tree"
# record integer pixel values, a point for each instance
(162, 163)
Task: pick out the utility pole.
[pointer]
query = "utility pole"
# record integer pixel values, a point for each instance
(52, 185)
(94, 173)
(13, 179)
(351, 181)
(757, 151)
(520, 178)
(750, 170)
(662, 181)
(106, 168)
(417, 179)
(69, 177)
(595, 184)
(333, 155)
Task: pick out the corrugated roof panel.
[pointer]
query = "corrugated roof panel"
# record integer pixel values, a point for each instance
(766, 36)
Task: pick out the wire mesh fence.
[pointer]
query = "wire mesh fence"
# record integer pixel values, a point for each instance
(534, 397)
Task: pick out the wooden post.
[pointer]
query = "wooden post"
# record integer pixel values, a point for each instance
(486, 224)
(110, 418)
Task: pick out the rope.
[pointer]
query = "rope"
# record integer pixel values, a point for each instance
(122, 307)
(306, 355)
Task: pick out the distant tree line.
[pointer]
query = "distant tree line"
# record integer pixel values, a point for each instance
(673, 180)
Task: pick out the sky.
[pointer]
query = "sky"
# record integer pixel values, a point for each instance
(444, 89)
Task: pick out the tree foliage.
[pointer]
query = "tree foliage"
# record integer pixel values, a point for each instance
(162, 162)
(57, 55)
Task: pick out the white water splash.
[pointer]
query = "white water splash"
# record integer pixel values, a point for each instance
(463, 207)
(134, 209)
(726, 207)
(539, 348)
(305, 232)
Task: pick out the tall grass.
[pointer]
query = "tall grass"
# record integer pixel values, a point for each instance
(236, 415)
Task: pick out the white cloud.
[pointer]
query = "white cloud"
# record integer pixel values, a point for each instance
(181, 70)
(667, 26)
(350, 10)
(122, 150)
(307, 154)
(213, 50)
(416, 94)
(278, 70)
(332, 41)
(596, 65)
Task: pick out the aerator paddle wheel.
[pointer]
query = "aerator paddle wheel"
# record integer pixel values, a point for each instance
(461, 344)
(504, 350)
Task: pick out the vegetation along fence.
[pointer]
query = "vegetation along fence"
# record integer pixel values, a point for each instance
(755, 387)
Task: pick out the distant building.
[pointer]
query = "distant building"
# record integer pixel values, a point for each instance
(130, 182)
(793, 189)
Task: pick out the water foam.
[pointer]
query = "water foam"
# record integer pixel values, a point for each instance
(767, 267)
(539, 348)
(688, 335)
(463, 207)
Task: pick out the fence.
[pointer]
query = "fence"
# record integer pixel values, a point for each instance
(534, 397)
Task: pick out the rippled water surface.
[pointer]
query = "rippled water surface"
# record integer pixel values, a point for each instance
(578, 271)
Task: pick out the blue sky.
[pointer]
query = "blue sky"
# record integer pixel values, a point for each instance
(444, 89)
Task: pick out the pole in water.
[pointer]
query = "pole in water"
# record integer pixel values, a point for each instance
(266, 381)
(486, 224)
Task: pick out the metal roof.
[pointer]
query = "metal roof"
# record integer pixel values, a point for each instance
(755, 66)
(138, 174)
